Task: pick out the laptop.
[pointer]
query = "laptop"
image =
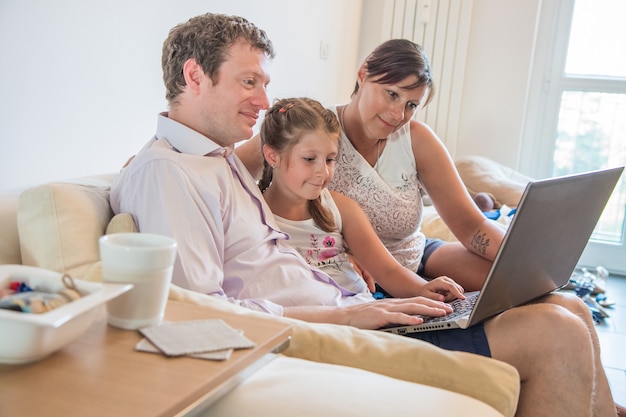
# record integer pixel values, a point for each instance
(551, 227)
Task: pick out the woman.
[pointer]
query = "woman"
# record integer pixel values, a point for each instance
(388, 160)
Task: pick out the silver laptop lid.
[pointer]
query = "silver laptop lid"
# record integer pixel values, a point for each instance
(551, 227)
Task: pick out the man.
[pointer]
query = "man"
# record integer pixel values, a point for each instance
(187, 183)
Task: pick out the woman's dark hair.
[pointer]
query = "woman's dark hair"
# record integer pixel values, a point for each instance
(283, 127)
(397, 59)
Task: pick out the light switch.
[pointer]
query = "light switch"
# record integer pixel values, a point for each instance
(324, 46)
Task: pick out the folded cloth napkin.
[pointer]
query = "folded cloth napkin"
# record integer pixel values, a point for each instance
(195, 336)
(144, 345)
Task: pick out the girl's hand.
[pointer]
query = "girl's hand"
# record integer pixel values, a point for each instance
(442, 289)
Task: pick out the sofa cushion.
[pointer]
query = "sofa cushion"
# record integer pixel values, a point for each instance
(59, 224)
(307, 389)
(9, 238)
(121, 223)
(480, 174)
(434, 227)
(493, 382)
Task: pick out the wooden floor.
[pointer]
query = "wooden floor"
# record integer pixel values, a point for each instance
(612, 334)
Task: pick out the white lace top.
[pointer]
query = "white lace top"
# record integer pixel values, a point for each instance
(390, 195)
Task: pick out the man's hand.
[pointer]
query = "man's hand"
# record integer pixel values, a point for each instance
(402, 311)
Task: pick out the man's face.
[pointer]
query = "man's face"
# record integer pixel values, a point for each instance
(231, 105)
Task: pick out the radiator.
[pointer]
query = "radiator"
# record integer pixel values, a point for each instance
(442, 28)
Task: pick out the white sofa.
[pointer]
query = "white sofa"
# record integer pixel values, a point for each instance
(327, 370)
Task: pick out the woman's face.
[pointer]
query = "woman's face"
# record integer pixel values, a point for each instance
(384, 108)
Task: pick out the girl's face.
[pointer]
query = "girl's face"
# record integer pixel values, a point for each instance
(384, 108)
(309, 166)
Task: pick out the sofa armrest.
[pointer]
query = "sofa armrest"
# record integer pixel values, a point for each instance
(488, 380)
(296, 387)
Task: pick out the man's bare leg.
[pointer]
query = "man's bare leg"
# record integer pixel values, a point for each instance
(552, 351)
(602, 402)
(439, 264)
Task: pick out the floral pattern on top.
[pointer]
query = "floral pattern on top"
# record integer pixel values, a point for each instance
(325, 254)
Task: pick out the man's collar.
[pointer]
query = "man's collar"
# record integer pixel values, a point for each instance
(187, 140)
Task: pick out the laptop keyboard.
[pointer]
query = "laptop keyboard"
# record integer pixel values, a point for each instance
(460, 307)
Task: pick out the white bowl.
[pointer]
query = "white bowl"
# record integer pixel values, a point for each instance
(28, 337)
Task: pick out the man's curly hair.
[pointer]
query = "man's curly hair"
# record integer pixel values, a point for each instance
(206, 38)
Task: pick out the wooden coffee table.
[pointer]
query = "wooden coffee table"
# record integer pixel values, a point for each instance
(100, 373)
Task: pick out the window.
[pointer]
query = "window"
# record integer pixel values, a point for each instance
(583, 110)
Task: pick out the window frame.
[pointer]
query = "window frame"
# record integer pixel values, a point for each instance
(547, 82)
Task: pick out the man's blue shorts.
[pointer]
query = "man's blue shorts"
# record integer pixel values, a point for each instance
(472, 339)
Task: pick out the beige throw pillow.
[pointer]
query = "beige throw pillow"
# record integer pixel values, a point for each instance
(480, 174)
(9, 238)
(59, 225)
(121, 223)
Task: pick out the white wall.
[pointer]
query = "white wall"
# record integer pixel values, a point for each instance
(497, 73)
(497, 77)
(81, 80)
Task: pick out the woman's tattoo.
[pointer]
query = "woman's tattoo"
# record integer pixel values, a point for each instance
(480, 243)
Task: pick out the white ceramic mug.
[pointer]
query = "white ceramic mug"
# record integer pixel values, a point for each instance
(145, 260)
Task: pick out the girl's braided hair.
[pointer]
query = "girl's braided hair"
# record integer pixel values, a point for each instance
(283, 127)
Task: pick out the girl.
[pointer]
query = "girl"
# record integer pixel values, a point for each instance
(300, 140)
